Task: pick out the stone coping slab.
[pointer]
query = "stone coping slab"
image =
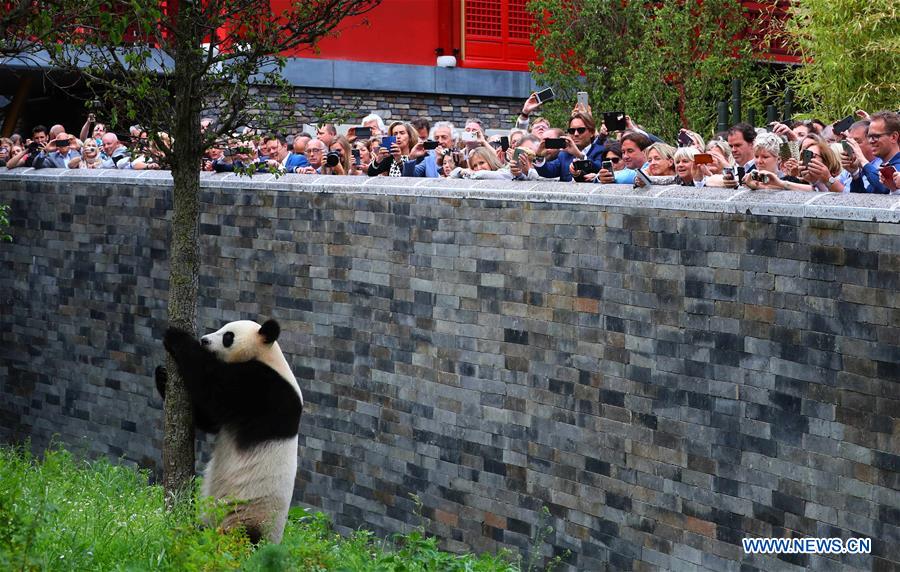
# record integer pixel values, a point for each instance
(843, 206)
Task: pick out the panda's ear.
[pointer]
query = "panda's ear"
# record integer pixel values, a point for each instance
(270, 331)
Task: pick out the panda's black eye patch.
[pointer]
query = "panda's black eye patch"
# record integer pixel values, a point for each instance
(228, 339)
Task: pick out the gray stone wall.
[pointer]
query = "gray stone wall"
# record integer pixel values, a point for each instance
(667, 371)
(494, 112)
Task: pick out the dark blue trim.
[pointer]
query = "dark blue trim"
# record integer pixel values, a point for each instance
(340, 74)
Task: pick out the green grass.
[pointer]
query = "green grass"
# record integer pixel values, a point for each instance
(63, 514)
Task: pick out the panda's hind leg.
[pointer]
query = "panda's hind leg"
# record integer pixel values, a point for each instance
(255, 518)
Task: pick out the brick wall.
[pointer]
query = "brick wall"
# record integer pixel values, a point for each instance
(495, 113)
(666, 371)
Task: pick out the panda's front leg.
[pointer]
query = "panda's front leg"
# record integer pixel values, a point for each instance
(195, 364)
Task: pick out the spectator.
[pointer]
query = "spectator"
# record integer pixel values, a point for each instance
(55, 130)
(315, 155)
(391, 161)
(340, 147)
(327, 133)
(6, 147)
(722, 155)
(474, 125)
(116, 155)
(540, 128)
(422, 127)
(858, 132)
(241, 156)
(741, 138)
(824, 167)
(483, 164)
(25, 157)
(684, 165)
(90, 156)
(374, 122)
(365, 157)
(883, 136)
(152, 157)
(276, 152)
(580, 145)
(297, 158)
(767, 175)
(661, 159)
(99, 129)
(442, 132)
(62, 152)
(515, 137)
(803, 128)
(449, 161)
(634, 145)
(522, 168)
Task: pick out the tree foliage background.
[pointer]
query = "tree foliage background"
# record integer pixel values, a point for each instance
(851, 51)
(665, 63)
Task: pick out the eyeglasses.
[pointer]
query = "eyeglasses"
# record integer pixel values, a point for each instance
(874, 136)
(578, 130)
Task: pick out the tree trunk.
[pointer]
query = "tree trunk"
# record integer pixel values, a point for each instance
(184, 260)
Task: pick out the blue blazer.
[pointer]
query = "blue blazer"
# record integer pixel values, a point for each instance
(422, 167)
(559, 167)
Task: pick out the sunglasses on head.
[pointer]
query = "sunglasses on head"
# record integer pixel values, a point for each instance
(578, 130)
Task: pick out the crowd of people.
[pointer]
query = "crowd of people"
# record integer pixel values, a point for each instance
(859, 153)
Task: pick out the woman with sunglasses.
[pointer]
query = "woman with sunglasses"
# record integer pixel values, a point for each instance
(580, 145)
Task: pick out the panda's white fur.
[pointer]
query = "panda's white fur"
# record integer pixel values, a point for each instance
(243, 389)
(263, 476)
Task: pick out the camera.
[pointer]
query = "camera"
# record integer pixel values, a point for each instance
(584, 165)
(759, 177)
(332, 159)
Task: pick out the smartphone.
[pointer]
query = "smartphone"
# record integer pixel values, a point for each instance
(430, 145)
(703, 159)
(583, 165)
(554, 143)
(614, 120)
(784, 151)
(504, 143)
(684, 140)
(608, 165)
(582, 98)
(759, 177)
(806, 156)
(356, 157)
(888, 173)
(362, 132)
(517, 153)
(843, 125)
(386, 142)
(728, 173)
(848, 149)
(469, 136)
(545, 95)
(639, 174)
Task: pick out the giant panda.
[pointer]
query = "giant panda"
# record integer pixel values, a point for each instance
(243, 390)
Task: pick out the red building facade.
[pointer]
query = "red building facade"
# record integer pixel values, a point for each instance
(480, 34)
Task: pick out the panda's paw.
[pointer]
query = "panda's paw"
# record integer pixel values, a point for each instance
(162, 376)
(176, 341)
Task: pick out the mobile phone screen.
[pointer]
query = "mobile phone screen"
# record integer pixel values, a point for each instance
(545, 95)
(555, 143)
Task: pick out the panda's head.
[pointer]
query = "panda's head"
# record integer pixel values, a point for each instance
(245, 340)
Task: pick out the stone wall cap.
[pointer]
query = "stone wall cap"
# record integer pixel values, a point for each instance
(843, 206)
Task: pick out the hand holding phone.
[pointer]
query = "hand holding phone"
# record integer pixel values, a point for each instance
(545, 95)
(805, 157)
(887, 174)
(684, 140)
(843, 125)
(703, 159)
(614, 120)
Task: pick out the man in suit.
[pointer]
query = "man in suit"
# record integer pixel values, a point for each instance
(580, 145)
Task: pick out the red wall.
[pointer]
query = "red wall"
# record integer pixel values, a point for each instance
(396, 31)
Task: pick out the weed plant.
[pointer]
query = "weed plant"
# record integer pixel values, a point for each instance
(64, 514)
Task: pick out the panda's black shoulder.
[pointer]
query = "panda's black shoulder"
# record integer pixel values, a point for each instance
(266, 406)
